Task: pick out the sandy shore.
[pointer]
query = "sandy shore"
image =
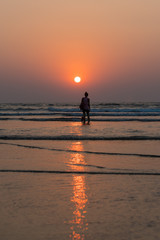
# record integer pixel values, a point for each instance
(79, 206)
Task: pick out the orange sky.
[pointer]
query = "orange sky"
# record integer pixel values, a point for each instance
(112, 45)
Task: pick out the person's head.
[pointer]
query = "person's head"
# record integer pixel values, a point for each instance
(86, 94)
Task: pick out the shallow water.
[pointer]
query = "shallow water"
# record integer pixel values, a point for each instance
(132, 157)
(65, 201)
(51, 206)
(16, 130)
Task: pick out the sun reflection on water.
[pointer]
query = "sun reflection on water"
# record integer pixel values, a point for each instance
(78, 223)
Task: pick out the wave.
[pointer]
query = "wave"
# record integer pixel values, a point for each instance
(107, 109)
(71, 112)
(22, 109)
(73, 109)
(77, 137)
(86, 165)
(77, 119)
(128, 110)
(78, 114)
(83, 152)
(79, 172)
(27, 114)
(109, 112)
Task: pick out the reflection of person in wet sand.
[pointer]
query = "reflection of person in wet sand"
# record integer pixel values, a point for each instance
(85, 107)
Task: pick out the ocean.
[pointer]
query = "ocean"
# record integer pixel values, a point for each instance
(61, 122)
(61, 179)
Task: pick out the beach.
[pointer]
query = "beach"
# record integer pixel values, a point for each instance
(60, 179)
(79, 120)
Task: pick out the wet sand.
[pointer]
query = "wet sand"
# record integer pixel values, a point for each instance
(68, 205)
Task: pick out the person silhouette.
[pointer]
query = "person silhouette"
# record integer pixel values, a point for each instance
(85, 107)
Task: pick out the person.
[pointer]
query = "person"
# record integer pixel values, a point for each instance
(85, 107)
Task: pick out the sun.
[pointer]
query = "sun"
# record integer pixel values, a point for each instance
(77, 79)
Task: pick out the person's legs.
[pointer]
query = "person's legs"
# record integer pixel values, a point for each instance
(88, 116)
(84, 120)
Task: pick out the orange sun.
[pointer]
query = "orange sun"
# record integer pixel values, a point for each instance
(77, 79)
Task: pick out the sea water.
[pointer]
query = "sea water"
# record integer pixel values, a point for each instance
(62, 121)
(60, 179)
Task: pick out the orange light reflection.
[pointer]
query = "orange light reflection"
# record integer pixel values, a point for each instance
(79, 223)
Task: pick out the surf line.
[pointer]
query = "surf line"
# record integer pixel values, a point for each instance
(79, 172)
(87, 152)
(81, 138)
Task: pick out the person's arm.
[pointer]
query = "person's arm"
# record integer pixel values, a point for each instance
(81, 104)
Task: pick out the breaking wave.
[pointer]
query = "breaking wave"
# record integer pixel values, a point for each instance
(71, 112)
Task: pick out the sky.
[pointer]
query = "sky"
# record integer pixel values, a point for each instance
(113, 45)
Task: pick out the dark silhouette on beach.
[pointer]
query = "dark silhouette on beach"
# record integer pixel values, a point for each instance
(85, 107)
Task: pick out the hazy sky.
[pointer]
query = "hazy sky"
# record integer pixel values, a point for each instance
(113, 45)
